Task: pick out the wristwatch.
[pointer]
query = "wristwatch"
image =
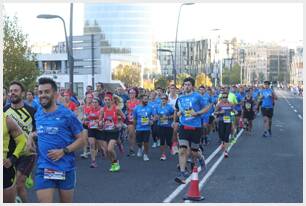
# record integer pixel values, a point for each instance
(66, 150)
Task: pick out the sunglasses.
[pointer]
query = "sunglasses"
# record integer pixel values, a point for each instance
(107, 100)
(224, 97)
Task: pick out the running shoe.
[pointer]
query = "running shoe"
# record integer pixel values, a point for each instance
(145, 157)
(18, 199)
(115, 167)
(139, 152)
(163, 157)
(131, 153)
(225, 154)
(233, 140)
(181, 178)
(154, 145)
(84, 155)
(93, 164)
(265, 134)
(158, 143)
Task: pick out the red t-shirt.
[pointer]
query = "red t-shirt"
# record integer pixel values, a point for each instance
(71, 106)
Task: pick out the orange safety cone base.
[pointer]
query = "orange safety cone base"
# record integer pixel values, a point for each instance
(194, 198)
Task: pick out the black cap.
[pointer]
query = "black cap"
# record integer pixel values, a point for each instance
(267, 82)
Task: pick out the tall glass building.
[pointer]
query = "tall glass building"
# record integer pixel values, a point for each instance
(127, 26)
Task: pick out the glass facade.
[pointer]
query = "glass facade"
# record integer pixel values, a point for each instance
(124, 25)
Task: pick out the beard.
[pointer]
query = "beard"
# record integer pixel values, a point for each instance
(15, 99)
(46, 104)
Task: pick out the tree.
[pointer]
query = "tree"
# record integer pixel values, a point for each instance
(203, 79)
(231, 76)
(261, 77)
(161, 82)
(180, 79)
(128, 74)
(18, 60)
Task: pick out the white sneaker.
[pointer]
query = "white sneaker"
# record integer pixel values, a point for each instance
(145, 157)
(154, 145)
(139, 153)
(158, 143)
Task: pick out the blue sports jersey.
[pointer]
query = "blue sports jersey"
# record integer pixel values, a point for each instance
(154, 104)
(226, 116)
(56, 130)
(207, 100)
(255, 94)
(165, 113)
(143, 116)
(239, 98)
(188, 103)
(267, 101)
(34, 104)
(214, 100)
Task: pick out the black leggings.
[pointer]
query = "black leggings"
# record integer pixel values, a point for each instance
(224, 131)
(165, 135)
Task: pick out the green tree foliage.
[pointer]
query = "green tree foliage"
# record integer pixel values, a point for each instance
(180, 79)
(18, 60)
(161, 82)
(261, 77)
(128, 74)
(231, 76)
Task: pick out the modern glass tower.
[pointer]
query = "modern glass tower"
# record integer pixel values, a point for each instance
(126, 26)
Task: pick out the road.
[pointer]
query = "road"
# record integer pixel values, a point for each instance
(258, 169)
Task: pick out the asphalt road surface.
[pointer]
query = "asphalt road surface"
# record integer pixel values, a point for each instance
(258, 169)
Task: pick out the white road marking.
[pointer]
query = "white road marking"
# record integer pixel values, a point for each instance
(182, 186)
(214, 167)
(295, 110)
(300, 116)
(292, 107)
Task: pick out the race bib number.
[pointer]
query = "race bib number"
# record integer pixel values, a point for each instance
(248, 106)
(54, 174)
(226, 119)
(164, 120)
(144, 121)
(93, 124)
(130, 117)
(109, 125)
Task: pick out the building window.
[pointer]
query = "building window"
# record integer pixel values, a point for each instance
(77, 88)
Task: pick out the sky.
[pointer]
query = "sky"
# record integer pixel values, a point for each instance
(251, 22)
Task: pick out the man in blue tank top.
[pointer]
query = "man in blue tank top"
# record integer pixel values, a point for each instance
(60, 134)
(267, 97)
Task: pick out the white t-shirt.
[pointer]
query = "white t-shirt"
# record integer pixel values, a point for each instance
(172, 101)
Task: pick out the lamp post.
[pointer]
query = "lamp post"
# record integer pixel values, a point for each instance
(173, 66)
(68, 42)
(178, 20)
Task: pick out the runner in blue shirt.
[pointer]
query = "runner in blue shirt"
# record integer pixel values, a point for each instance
(205, 117)
(154, 102)
(240, 95)
(142, 121)
(164, 115)
(267, 96)
(189, 108)
(60, 134)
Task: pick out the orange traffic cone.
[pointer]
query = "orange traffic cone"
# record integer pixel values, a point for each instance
(194, 192)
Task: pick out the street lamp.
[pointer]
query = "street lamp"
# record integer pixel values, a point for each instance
(68, 45)
(173, 67)
(178, 20)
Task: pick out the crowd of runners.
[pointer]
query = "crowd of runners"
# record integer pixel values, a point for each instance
(43, 128)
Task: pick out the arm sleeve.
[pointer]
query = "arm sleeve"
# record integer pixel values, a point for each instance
(21, 141)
